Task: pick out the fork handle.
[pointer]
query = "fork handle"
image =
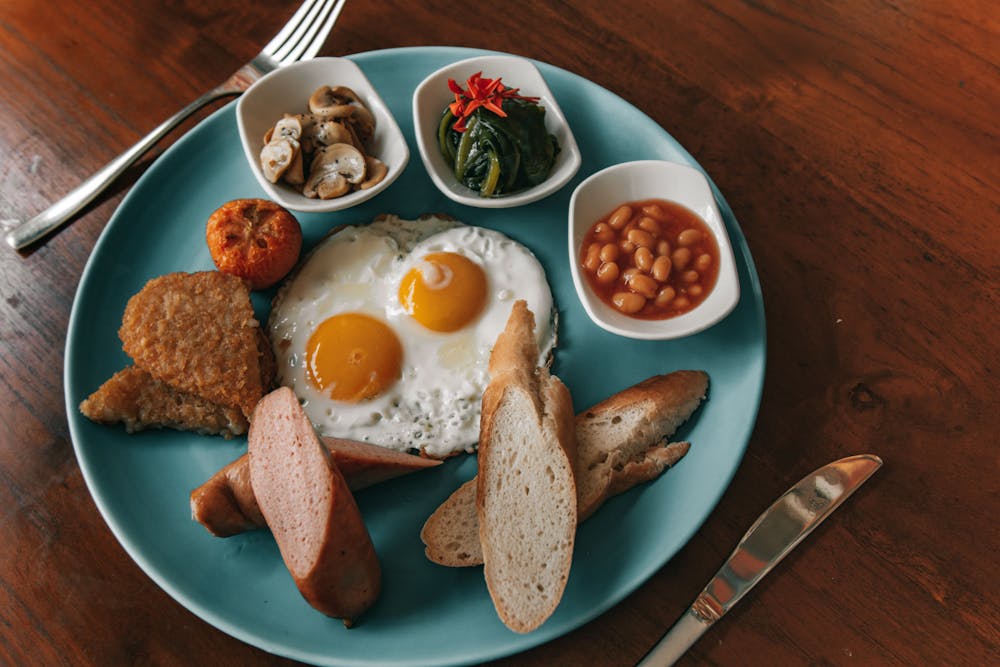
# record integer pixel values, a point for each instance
(60, 212)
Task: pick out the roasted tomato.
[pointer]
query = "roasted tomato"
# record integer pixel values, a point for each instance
(254, 239)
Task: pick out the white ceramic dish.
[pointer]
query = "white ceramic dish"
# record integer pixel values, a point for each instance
(433, 95)
(287, 90)
(602, 192)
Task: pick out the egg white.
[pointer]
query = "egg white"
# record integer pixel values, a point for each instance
(435, 405)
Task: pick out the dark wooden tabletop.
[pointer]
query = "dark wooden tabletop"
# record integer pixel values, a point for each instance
(856, 143)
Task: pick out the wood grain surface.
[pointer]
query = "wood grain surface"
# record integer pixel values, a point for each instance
(856, 142)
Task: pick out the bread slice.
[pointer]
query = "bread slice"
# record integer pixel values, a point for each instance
(525, 496)
(225, 504)
(197, 333)
(619, 439)
(136, 399)
(647, 467)
(311, 513)
(451, 534)
(622, 442)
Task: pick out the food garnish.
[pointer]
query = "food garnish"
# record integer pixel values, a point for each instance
(651, 259)
(494, 138)
(254, 239)
(323, 153)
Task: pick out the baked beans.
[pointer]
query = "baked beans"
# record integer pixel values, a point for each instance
(650, 259)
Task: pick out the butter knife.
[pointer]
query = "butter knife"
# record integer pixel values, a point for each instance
(772, 536)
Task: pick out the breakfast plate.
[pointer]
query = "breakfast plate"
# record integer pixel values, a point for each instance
(426, 614)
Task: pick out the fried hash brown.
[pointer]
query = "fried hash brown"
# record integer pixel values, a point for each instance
(136, 399)
(165, 323)
(197, 333)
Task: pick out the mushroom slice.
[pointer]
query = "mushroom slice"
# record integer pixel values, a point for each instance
(376, 171)
(277, 156)
(326, 185)
(363, 123)
(289, 127)
(327, 96)
(333, 170)
(329, 132)
(345, 93)
(308, 122)
(325, 103)
(335, 111)
(355, 139)
(322, 98)
(295, 174)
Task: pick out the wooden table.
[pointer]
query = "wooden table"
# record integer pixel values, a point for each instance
(855, 141)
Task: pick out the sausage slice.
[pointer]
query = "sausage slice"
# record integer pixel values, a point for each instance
(310, 510)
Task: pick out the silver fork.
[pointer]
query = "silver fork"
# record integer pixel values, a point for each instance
(300, 39)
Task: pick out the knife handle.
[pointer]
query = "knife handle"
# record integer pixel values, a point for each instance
(684, 633)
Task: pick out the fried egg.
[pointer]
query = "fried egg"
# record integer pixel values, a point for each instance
(385, 331)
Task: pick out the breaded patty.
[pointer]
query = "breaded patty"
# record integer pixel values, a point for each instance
(136, 399)
(197, 333)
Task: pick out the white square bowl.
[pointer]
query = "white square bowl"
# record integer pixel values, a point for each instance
(604, 191)
(287, 90)
(433, 95)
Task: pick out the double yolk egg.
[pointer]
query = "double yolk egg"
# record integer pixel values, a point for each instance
(385, 332)
(354, 357)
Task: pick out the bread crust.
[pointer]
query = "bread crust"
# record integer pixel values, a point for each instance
(516, 351)
(664, 391)
(654, 461)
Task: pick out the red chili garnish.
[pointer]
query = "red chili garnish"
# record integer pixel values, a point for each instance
(480, 92)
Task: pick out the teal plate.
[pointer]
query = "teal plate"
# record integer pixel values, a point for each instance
(427, 614)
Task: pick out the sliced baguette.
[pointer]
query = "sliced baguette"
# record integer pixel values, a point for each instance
(525, 496)
(225, 504)
(310, 511)
(451, 534)
(620, 443)
(620, 438)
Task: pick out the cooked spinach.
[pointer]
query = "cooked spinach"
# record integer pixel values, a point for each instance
(498, 155)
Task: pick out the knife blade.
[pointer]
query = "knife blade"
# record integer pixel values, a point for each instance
(772, 536)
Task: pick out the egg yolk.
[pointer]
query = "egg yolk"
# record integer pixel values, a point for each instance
(353, 357)
(444, 292)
